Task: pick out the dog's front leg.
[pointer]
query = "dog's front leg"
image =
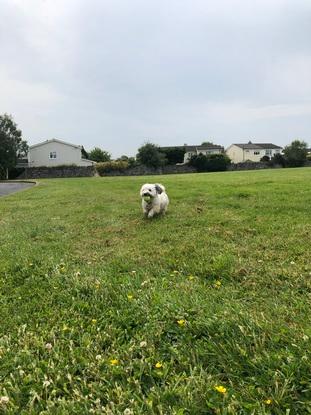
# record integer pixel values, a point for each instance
(151, 213)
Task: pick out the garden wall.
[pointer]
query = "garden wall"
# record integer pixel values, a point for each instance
(90, 171)
(252, 165)
(57, 172)
(143, 170)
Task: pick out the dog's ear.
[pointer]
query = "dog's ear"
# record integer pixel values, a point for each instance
(158, 188)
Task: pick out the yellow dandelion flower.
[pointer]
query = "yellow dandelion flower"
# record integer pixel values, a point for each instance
(217, 284)
(191, 277)
(94, 321)
(176, 272)
(130, 297)
(181, 322)
(65, 328)
(114, 362)
(268, 401)
(158, 365)
(220, 389)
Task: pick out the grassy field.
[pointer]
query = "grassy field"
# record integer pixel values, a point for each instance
(203, 311)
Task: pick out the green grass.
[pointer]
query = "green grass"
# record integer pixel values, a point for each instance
(91, 295)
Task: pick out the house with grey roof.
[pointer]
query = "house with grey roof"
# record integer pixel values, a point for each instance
(204, 149)
(238, 153)
(190, 151)
(56, 152)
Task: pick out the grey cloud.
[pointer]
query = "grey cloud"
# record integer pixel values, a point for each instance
(114, 73)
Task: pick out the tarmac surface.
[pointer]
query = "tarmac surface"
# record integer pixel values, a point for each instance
(7, 188)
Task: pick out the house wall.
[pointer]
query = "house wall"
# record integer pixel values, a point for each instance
(65, 154)
(238, 155)
(253, 154)
(235, 154)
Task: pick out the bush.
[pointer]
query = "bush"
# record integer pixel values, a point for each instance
(130, 160)
(109, 166)
(211, 162)
(15, 172)
(278, 159)
(265, 159)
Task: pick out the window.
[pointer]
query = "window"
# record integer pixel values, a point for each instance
(268, 152)
(52, 155)
(256, 153)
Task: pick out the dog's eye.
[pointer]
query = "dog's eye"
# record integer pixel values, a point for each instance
(149, 190)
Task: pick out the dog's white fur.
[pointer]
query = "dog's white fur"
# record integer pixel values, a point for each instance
(158, 199)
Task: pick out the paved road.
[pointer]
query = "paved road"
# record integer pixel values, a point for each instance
(7, 188)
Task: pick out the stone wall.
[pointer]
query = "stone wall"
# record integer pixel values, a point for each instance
(144, 171)
(251, 165)
(90, 171)
(57, 172)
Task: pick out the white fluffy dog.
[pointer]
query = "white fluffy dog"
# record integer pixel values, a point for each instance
(154, 199)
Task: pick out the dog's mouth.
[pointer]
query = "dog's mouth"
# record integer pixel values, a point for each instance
(147, 197)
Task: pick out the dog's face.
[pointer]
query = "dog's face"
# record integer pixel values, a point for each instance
(151, 190)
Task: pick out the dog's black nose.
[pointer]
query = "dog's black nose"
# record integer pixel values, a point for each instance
(146, 194)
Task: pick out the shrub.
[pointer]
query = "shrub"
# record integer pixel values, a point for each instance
(278, 159)
(132, 162)
(211, 162)
(109, 166)
(265, 159)
(15, 172)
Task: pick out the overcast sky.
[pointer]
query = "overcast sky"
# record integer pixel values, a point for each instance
(116, 73)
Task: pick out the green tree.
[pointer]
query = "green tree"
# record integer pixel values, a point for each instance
(174, 155)
(296, 153)
(12, 145)
(207, 143)
(150, 155)
(99, 155)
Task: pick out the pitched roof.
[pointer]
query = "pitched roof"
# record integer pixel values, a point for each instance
(54, 140)
(258, 146)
